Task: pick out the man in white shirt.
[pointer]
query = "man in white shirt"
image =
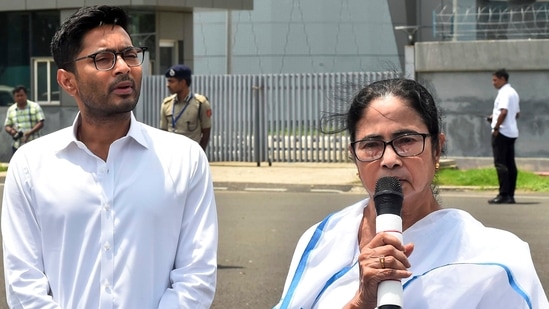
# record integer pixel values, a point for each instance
(106, 213)
(504, 134)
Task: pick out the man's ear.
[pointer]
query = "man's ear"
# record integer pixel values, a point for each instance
(66, 80)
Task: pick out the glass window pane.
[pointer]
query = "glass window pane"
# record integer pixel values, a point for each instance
(14, 57)
(166, 59)
(42, 81)
(142, 29)
(43, 26)
(54, 86)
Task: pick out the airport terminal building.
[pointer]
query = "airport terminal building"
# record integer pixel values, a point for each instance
(452, 46)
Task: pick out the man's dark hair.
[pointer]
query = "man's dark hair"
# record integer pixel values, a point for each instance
(19, 88)
(66, 44)
(188, 80)
(501, 73)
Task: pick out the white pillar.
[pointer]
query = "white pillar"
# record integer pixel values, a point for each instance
(409, 62)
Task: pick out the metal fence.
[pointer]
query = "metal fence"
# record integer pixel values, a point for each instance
(268, 118)
(497, 21)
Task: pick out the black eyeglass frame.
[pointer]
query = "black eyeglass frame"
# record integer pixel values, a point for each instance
(424, 135)
(142, 49)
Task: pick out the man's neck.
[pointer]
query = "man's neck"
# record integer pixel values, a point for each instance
(21, 105)
(181, 96)
(98, 137)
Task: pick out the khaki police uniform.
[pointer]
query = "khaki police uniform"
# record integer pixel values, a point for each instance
(189, 116)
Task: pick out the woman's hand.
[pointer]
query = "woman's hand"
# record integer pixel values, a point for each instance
(383, 258)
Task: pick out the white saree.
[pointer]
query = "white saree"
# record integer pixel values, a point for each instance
(457, 263)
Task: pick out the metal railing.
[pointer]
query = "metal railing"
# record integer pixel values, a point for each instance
(500, 21)
(268, 117)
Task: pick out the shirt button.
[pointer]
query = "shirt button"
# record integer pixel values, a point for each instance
(107, 247)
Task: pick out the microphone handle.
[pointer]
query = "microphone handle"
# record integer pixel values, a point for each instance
(389, 292)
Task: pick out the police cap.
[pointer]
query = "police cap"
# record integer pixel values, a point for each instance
(179, 71)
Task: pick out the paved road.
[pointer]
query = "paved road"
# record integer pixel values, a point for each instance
(259, 230)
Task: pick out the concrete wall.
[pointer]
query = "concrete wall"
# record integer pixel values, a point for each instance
(460, 73)
(515, 55)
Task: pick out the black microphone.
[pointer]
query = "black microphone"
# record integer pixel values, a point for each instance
(388, 201)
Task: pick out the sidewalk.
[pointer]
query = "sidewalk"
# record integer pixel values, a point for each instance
(285, 176)
(282, 176)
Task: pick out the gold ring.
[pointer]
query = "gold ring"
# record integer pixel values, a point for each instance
(382, 261)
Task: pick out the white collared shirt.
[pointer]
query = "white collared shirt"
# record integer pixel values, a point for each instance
(508, 99)
(136, 231)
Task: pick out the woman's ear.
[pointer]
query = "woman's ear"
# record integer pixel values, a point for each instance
(351, 153)
(441, 141)
(66, 80)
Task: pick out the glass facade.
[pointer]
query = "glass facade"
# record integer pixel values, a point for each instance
(142, 29)
(26, 35)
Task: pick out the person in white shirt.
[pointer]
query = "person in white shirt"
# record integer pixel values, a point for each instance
(447, 258)
(504, 134)
(106, 213)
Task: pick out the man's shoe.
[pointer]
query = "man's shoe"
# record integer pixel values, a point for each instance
(502, 200)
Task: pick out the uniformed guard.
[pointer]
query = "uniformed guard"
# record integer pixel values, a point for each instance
(184, 112)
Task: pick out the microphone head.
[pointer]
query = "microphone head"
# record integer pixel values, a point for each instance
(388, 196)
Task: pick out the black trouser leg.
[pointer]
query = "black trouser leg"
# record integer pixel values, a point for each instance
(512, 167)
(503, 149)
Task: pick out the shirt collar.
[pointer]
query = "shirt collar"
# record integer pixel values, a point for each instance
(24, 107)
(136, 132)
(187, 98)
(506, 85)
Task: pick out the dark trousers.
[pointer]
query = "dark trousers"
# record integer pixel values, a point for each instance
(503, 148)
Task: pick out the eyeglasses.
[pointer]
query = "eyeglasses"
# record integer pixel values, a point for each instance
(106, 60)
(406, 145)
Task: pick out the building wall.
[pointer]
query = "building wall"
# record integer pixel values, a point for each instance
(482, 55)
(176, 26)
(297, 36)
(460, 73)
